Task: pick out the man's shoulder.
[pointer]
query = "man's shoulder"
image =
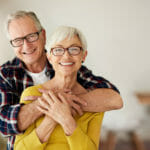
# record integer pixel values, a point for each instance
(11, 64)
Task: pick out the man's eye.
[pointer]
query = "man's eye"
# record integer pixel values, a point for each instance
(32, 36)
(17, 40)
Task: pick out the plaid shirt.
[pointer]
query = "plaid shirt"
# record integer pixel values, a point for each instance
(14, 79)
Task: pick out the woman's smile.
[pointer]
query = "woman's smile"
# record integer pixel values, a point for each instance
(66, 64)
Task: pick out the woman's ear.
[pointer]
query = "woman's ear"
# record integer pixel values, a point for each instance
(84, 55)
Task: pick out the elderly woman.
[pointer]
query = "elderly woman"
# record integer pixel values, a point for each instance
(59, 129)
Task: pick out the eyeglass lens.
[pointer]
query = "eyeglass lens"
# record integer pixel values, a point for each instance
(29, 38)
(71, 50)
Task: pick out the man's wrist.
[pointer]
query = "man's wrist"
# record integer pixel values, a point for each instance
(27, 115)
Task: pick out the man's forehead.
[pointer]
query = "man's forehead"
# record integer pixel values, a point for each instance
(21, 27)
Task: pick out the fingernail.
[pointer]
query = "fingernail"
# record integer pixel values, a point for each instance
(81, 114)
(85, 103)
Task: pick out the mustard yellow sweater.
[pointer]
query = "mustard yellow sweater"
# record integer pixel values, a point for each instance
(85, 136)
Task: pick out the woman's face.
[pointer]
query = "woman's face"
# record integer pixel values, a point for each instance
(67, 64)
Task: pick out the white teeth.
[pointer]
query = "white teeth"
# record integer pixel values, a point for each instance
(29, 52)
(65, 64)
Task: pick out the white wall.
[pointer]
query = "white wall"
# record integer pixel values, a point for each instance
(117, 31)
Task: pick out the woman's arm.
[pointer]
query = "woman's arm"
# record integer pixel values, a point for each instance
(83, 138)
(57, 108)
(35, 136)
(44, 130)
(77, 136)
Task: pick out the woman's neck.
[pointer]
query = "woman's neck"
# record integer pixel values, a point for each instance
(60, 82)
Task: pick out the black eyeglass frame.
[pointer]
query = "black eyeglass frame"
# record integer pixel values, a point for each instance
(66, 49)
(25, 37)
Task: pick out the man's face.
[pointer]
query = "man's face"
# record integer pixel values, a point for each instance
(29, 53)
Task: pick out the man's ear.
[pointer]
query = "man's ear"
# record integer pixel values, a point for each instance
(84, 55)
(44, 35)
(48, 56)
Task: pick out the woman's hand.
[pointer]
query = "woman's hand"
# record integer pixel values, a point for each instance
(57, 107)
(74, 101)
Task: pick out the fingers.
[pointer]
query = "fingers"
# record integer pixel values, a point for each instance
(43, 110)
(53, 97)
(48, 98)
(74, 101)
(62, 98)
(77, 108)
(73, 112)
(43, 90)
(43, 104)
(67, 91)
(79, 100)
(31, 98)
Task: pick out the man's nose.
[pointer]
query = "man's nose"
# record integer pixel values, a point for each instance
(26, 44)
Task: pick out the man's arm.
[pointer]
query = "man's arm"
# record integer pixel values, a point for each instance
(14, 117)
(28, 112)
(101, 100)
(27, 115)
(8, 111)
(11, 112)
(103, 95)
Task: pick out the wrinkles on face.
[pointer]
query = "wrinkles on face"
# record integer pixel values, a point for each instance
(29, 53)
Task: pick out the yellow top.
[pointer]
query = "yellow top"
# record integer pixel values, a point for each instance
(85, 136)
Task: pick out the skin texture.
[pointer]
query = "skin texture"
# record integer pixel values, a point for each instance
(34, 57)
(32, 54)
(55, 105)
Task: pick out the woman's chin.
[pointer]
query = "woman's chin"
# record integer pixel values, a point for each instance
(67, 72)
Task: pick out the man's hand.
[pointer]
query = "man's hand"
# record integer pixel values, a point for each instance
(27, 115)
(57, 108)
(74, 101)
(31, 98)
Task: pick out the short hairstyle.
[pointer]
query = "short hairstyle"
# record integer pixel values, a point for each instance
(63, 32)
(21, 14)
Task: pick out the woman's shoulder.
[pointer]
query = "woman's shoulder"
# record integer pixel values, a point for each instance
(30, 91)
(90, 115)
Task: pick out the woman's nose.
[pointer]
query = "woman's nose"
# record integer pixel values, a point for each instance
(66, 54)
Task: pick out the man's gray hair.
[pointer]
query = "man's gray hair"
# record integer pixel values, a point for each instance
(63, 32)
(20, 14)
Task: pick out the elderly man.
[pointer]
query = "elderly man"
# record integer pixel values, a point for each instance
(30, 67)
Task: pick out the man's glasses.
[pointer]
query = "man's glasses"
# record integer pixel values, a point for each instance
(29, 38)
(59, 51)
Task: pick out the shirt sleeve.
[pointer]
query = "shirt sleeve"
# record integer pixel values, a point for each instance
(90, 81)
(28, 141)
(89, 140)
(8, 108)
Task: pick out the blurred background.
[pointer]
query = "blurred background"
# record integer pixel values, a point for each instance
(118, 36)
